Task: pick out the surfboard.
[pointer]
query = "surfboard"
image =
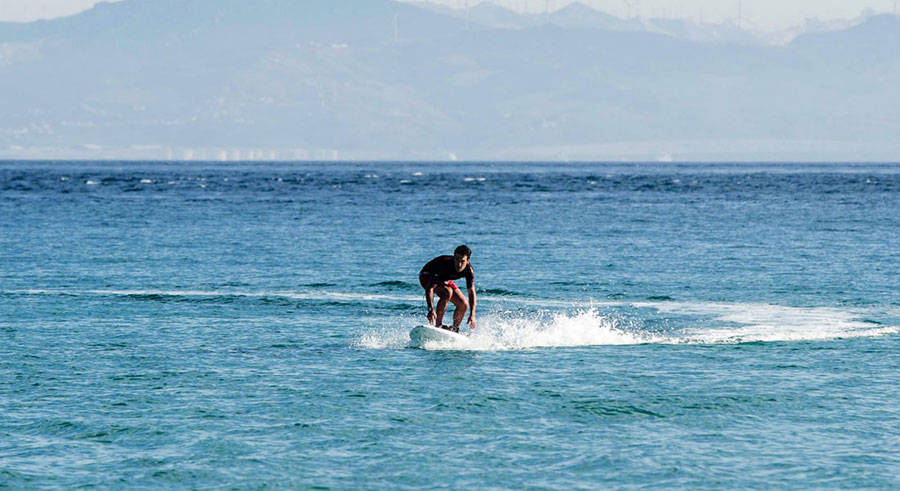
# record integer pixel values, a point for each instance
(420, 335)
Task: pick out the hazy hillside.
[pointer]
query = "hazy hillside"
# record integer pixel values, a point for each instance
(378, 79)
(580, 16)
(492, 16)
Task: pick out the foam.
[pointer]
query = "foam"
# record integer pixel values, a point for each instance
(558, 329)
(755, 322)
(710, 323)
(385, 337)
(619, 323)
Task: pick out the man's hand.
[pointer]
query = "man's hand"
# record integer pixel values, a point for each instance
(471, 322)
(431, 317)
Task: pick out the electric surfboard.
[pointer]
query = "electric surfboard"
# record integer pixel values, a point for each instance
(420, 335)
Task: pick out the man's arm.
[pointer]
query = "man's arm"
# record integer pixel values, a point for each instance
(429, 300)
(472, 301)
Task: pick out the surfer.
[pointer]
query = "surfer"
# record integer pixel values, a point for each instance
(437, 278)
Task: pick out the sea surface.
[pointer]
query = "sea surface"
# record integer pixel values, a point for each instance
(210, 325)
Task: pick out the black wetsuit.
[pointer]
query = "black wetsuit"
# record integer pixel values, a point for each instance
(442, 270)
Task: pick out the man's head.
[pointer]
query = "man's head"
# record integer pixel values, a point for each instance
(461, 257)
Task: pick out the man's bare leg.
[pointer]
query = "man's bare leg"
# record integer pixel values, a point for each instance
(462, 305)
(443, 293)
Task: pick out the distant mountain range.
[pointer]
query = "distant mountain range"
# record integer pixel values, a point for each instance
(580, 16)
(575, 15)
(376, 79)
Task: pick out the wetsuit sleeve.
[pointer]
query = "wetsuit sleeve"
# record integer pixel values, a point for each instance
(470, 277)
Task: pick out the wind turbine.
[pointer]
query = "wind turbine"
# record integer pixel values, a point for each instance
(396, 28)
(467, 14)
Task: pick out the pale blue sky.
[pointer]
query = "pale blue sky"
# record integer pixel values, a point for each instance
(759, 14)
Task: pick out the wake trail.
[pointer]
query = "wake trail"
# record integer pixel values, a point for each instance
(572, 323)
(701, 323)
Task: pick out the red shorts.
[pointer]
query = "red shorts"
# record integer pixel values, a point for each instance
(426, 279)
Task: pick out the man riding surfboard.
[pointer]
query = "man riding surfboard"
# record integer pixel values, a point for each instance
(437, 278)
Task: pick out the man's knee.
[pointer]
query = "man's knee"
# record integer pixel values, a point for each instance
(462, 304)
(443, 293)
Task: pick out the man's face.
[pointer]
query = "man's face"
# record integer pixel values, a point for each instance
(460, 262)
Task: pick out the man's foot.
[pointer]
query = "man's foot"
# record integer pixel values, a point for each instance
(450, 328)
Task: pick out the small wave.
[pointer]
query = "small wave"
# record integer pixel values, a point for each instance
(178, 298)
(393, 284)
(611, 408)
(499, 291)
(565, 283)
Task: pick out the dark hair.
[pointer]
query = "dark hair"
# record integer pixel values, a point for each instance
(463, 251)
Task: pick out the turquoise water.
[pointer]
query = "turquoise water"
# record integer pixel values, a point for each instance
(246, 325)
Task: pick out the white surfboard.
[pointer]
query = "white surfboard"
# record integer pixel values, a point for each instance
(421, 335)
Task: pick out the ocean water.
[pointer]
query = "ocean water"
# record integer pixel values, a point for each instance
(639, 325)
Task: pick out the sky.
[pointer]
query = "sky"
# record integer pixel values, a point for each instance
(756, 14)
